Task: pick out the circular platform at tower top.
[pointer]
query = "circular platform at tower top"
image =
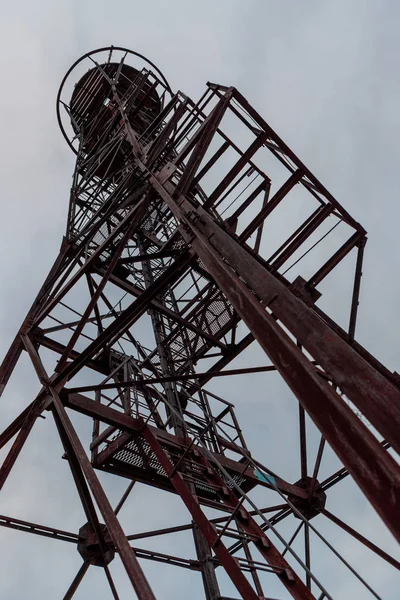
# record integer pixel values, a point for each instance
(96, 90)
(96, 79)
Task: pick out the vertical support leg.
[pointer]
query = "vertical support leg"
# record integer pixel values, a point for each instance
(115, 530)
(204, 555)
(121, 543)
(340, 426)
(307, 553)
(356, 289)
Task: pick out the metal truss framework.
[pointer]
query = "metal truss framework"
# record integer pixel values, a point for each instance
(167, 273)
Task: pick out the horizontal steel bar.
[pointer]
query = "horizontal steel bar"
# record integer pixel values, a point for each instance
(186, 377)
(178, 528)
(169, 559)
(28, 527)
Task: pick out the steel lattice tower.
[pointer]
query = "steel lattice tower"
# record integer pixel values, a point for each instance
(180, 252)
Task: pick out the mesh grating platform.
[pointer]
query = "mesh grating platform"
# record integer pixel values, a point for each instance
(135, 459)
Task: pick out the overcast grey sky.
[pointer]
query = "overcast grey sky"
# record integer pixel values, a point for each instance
(325, 75)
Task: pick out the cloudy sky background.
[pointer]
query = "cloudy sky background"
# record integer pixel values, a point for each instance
(325, 76)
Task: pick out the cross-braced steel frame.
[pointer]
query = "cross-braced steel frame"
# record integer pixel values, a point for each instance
(180, 252)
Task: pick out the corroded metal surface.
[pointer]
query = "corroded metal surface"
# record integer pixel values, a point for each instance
(189, 229)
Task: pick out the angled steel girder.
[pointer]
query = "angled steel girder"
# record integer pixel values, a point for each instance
(231, 265)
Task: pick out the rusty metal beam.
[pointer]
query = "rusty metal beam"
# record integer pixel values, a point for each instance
(378, 399)
(358, 536)
(35, 528)
(334, 260)
(338, 423)
(84, 469)
(76, 581)
(271, 204)
(356, 289)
